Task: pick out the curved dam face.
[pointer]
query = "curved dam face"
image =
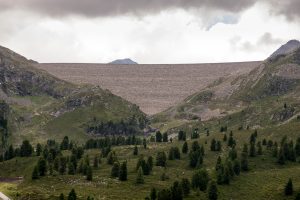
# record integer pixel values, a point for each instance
(153, 88)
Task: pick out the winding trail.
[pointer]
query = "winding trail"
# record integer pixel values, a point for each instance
(3, 196)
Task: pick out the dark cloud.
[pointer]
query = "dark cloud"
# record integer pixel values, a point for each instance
(94, 8)
(289, 8)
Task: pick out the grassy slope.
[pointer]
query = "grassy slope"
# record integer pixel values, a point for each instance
(265, 180)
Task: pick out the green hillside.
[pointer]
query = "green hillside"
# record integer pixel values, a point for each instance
(41, 106)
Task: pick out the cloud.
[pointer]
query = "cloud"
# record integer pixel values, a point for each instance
(102, 8)
(95, 8)
(268, 39)
(288, 8)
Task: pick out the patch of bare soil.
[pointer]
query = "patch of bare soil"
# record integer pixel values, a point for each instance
(152, 87)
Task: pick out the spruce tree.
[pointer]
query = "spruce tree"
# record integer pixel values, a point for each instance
(176, 191)
(186, 186)
(259, 148)
(42, 167)
(145, 143)
(237, 167)
(89, 174)
(161, 159)
(111, 158)
(123, 172)
(115, 170)
(297, 147)
(252, 152)
(213, 145)
(244, 161)
(140, 176)
(61, 196)
(289, 190)
(39, 149)
(35, 173)
(212, 191)
(226, 175)
(297, 196)
(153, 194)
(185, 148)
(281, 157)
(165, 137)
(72, 195)
(71, 168)
(164, 194)
(219, 163)
(96, 162)
(135, 151)
(200, 179)
(218, 146)
(62, 165)
(150, 162)
(158, 136)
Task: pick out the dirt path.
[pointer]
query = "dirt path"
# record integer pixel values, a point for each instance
(3, 196)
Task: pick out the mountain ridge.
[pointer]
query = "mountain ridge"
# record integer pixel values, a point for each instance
(125, 61)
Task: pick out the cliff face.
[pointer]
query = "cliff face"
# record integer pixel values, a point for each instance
(19, 77)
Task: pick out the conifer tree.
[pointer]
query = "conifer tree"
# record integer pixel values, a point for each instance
(150, 162)
(297, 147)
(153, 194)
(61, 196)
(42, 167)
(219, 163)
(213, 145)
(218, 146)
(123, 172)
(200, 179)
(71, 168)
(297, 196)
(185, 148)
(212, 191)
(96, 162)
(135, 151)
(72, 195)
(289, 190)
(140, 176)
(186, 186)
(89, 174)
(259, 148)
(145, 143)
(39, 149)
(164, 194)
(281, 157)
(62, 165)
(244, 161)
(165, 137)
(111, 158)
(35, 173)
(252, 152)
(158, 136)
(226, 176)
(115, 170)
(176, 191)
(237, 167)
(161, 159)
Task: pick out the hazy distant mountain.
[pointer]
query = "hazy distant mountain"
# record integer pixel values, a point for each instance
(287, 48)
(126, 61)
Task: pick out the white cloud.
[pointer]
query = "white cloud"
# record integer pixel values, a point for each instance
(171, 36)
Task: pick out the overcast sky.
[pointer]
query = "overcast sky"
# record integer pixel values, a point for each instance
(156, 31)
